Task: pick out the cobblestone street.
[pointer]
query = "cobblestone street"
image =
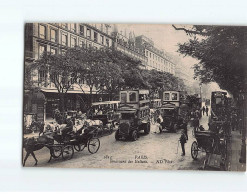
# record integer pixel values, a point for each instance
(153, 151)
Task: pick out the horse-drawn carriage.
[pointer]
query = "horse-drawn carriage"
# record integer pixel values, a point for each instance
(214, 145)
(67, 143)
(63, 144)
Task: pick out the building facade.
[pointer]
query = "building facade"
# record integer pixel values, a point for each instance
(126, 44)
(156, 59)
(56, 38)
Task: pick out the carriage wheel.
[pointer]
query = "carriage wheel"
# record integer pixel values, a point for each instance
(79, 147)
(68, 152)
(93, 145)
(194, 150)
(56, 151)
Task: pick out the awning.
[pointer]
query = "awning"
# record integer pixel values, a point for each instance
(38, 97)
(69, 91)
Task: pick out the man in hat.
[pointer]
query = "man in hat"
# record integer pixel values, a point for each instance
(183, 139)
(69, 126)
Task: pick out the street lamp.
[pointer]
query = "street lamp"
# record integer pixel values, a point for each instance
(243, 104)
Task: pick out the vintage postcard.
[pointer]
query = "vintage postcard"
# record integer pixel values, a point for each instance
(135, 96)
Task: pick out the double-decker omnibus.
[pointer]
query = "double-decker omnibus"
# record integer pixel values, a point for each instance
(134, 110)
(219, 104)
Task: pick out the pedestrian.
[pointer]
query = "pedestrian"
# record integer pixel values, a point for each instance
(159, 121)
(203, 110)
(207, 110)
(183, 126)
(197, 113)
(183, 139)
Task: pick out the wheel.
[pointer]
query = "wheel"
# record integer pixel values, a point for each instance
(147, 128)
(79, 147)
(117, 135)
(93, 145)
(56, 151)
(68, 152)
(194, 150)
(134, 135)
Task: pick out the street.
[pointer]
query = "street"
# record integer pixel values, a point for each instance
(152, 151)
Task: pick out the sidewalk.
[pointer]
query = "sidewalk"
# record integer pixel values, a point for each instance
(234, 153)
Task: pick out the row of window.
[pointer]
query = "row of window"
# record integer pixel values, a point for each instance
(43, 48)
(144, 113)
(159, 66)
(54, 34)
(53, 50)
(73, 28)
(157, 58)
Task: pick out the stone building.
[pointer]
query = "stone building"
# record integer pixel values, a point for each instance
(156, 58)
(126, 44)
(56, 38)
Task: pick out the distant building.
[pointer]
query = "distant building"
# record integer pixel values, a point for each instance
(126, 44)
(156, 59)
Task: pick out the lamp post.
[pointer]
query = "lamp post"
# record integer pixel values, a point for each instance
(243, 104)
(200, 85)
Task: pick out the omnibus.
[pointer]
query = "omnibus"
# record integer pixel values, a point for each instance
(219, 104)
(134, 114)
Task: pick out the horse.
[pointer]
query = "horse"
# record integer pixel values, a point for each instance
(33, 144)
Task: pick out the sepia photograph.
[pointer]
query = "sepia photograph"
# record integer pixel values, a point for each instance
(134, 96)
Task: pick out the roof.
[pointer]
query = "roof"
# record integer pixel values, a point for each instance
(141, 91)
(69, 91)
(104, 103)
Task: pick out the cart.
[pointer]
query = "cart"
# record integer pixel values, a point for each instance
(66, 144)
(213, 145)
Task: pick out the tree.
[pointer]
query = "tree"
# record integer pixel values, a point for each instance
(103, 71)
(221, 51)
(157, 82)
(60, 70)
